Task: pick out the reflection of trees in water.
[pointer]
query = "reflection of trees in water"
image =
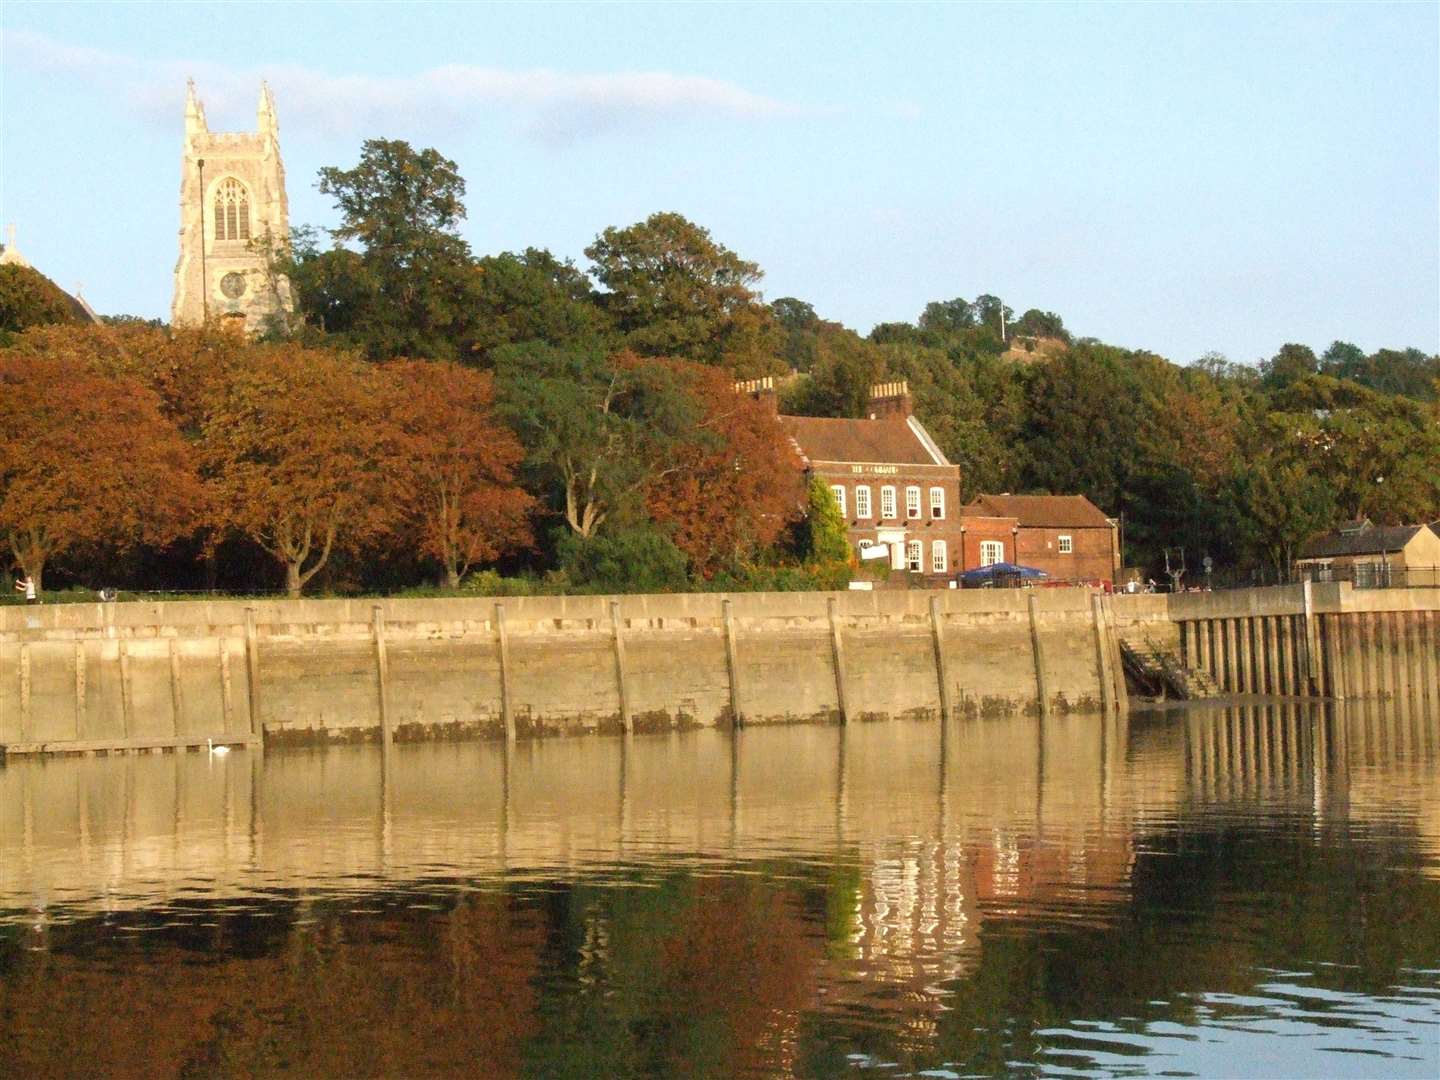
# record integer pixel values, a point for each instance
(341, 995)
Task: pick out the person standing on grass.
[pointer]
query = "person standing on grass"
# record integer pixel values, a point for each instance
(27, 586)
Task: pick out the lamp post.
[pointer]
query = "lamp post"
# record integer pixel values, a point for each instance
(204, 284)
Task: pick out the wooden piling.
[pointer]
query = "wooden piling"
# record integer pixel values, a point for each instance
(732, 662)
(24, 665)
(619, 640)
(507, 700)
(942, 667)
(1038, 653)
(252, 670)
(227, 695)
(1107, 687)
(79, 690)
(127, 702)
(382, 673)
(1117, 665)
(837, 656)
(177, 705)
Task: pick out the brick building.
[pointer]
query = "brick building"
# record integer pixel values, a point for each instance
(894, 485)
(1067, 536)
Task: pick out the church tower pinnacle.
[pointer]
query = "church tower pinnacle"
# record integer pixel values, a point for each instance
(233, 212)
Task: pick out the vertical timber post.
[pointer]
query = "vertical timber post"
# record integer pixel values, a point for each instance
(732, 662)
(382, 673)
(79, 690)
(507, 700)
(1311, 678)
(127, 703)
(1334, 658)
(227, 695)
(837, 655)
(252, 669)
(619, 639)
(24, 665)
(1107, 688)
(177, 706)
(942, 667)
(1117, 664)
(1039, 655)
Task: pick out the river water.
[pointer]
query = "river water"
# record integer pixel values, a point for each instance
(1237, 890)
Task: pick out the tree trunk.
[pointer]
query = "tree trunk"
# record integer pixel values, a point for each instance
(452, 577)
(292, 579)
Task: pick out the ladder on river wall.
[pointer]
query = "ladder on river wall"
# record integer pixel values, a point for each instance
(1161, 674)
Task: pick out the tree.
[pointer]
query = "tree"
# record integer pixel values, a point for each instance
(828, 541)
(178, 365)
(28, 298)
(295, 443)
(947, 317)
(66, 482)
(453, 470)
(1276, 507)
(1290, 364)
(409, 290)
(1037, 323)
(635, 558)
(532, 296)
(735, 484)
(672, 290)
(597, 428)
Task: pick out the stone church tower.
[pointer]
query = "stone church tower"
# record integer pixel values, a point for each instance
(232, 202)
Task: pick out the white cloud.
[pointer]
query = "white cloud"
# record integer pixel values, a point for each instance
(552, 106)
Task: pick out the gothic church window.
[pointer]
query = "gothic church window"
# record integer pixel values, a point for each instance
(232, 211)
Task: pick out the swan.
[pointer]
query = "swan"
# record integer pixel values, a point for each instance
(210, 745)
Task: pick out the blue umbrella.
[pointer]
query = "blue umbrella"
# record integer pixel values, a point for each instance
(1003, 571)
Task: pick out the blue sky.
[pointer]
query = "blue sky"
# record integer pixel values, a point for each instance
(1178, 178)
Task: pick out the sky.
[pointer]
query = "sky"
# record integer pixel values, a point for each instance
(1184, 179)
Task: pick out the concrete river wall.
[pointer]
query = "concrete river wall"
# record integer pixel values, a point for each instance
(138, 676)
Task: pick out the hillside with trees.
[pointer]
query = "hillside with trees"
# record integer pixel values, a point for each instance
(515, 421)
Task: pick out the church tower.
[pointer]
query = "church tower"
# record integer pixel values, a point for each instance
(232, 204)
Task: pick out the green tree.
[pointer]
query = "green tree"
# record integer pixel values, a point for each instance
(597, 428)
(673, 290)
(410, 288)
(638, 558)
(28, 298)
(532, 296)
(828, 541)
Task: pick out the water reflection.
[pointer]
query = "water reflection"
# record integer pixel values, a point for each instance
(1247, 889)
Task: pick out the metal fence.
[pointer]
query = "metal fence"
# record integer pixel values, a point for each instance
(1376, 575)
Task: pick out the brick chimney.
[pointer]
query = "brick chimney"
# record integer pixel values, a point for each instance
(890, 399)
(763, 391)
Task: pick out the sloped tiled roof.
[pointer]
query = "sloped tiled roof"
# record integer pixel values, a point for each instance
(1372, 541)
(890, 440)
(1040, 511)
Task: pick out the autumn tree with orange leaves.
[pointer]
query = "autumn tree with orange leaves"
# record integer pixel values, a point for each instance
(294, 448)
(454, 465)
(86, 459)
(735, 485)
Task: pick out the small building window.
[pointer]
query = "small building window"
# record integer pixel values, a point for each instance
(839, 491)
(862, 500)
(1066, 547)
(912, 502)
(939, 558)
(887, 502)
(232, 211)
(937, 503)
(991, 552)
(914, 555)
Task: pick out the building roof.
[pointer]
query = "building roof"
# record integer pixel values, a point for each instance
(890, 440)
(1040, 511)
(1370, 541)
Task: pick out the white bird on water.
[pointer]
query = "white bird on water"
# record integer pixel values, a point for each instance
(216, 749)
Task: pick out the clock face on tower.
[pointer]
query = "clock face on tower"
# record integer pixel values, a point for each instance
(233, 285)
